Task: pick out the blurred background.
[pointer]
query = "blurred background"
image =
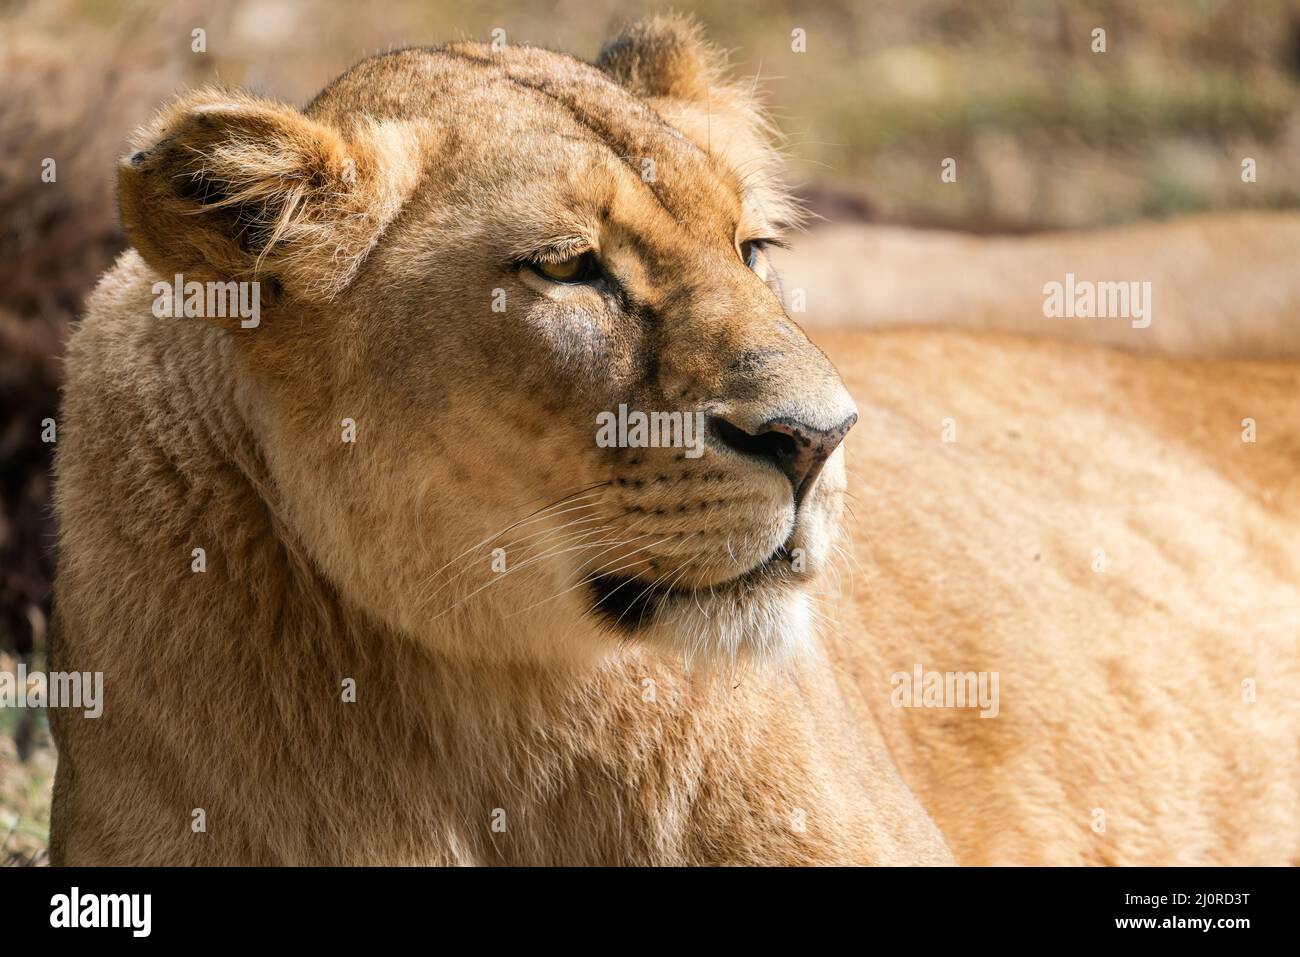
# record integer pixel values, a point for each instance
(1050, 135)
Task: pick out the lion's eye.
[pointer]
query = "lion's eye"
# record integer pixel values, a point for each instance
(581, 268)
(749, 252)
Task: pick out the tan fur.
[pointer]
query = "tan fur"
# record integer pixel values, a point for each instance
(748, 719)
(1121, 689)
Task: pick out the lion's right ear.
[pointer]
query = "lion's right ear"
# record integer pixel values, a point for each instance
(663, 56)
(226, 186)
(666, 60)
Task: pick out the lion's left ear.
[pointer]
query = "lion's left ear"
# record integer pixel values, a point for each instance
(227, 186)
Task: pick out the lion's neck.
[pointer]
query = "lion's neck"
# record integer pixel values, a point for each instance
(413, 755)
(622, 757)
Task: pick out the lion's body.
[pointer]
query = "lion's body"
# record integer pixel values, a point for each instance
(350, 671)
(1222, 285)
(1098, 534)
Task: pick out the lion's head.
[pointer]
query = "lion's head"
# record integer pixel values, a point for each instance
(471, 261)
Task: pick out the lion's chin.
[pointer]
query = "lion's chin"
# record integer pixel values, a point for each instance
(763, 617)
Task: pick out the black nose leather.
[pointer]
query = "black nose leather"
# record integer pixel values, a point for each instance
(799, 450)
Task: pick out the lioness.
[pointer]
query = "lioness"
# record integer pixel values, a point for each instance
(365, 588)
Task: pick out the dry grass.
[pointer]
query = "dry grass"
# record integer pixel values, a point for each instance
(26, 774)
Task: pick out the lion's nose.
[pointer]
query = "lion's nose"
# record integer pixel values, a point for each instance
(799, 450)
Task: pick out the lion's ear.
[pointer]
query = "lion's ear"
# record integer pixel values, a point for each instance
(666, 61)
(230, 187)
(662, 56)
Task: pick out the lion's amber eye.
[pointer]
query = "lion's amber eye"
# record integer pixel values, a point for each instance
(575, 269)
(749, 252)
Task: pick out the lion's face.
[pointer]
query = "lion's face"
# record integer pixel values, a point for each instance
(579, 406)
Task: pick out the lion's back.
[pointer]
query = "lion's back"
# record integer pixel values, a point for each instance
(1098, 531)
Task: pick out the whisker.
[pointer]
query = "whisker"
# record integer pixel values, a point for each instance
(535, 516)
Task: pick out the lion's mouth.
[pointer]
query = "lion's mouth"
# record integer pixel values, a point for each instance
(630, 603)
